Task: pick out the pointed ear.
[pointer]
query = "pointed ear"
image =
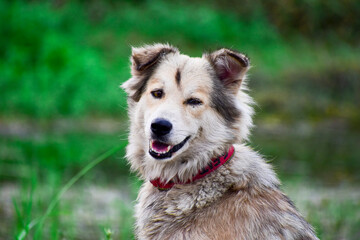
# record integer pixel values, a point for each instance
(143, 63)
(230, 67)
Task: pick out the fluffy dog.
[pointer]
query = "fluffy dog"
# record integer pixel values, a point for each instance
(189, 120)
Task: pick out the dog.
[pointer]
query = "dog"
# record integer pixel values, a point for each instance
(190, 119)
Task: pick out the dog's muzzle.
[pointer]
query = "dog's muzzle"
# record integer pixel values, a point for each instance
(159, 148)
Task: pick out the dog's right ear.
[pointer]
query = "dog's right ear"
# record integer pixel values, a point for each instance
(230, 67)
(143, 62)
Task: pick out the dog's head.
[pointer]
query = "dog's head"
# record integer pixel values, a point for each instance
(183, 110)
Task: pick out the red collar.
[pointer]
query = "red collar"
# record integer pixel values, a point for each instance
(213, 165)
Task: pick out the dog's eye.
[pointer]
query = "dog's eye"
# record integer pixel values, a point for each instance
(157, 93)
(193, 101)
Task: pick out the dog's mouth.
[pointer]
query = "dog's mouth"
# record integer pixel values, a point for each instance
(160, 150)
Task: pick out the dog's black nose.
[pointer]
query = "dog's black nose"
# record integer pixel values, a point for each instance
(161, 127)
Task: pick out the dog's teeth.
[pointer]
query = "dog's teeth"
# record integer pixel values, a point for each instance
(168, 148)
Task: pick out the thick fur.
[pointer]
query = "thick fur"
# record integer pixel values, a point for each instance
(241, 199)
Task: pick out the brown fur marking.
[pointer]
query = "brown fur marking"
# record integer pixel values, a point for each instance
(178, 77)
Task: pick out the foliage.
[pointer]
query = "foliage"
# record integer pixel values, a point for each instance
(45, 70)
(68, 60)
(319, 20)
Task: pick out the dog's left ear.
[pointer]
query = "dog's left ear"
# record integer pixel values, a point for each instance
(143, 62)
(230, 67)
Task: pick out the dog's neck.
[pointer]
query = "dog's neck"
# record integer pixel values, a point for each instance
(213, 165)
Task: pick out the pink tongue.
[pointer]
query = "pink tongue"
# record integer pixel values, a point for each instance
(159, 147)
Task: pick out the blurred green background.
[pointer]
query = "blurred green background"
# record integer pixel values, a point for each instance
(61, 63)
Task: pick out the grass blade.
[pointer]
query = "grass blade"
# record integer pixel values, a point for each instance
(66, 187)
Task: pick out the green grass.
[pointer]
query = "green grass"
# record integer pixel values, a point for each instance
(56, 157)
(336, 220)
(57, 163)
(40, 221)
(79, 214)
(333, 211)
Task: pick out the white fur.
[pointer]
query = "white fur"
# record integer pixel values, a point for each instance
(200, 149)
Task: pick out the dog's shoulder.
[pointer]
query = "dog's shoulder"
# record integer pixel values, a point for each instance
(250, 170)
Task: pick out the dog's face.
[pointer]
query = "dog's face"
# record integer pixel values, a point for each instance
(181, 106)
(174, 109)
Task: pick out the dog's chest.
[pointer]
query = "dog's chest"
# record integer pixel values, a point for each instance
(174, 214)
(159, 217)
